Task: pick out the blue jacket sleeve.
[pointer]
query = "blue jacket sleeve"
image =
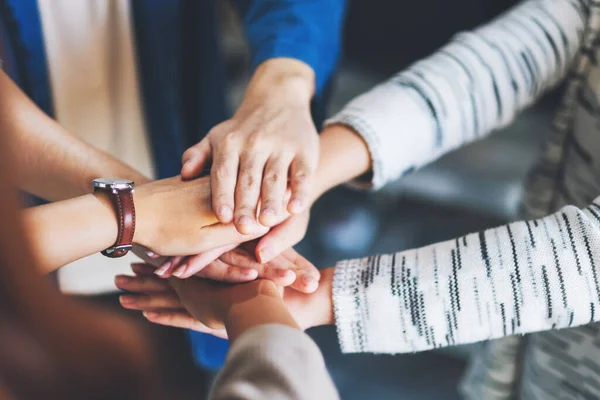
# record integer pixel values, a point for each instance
(307, 30)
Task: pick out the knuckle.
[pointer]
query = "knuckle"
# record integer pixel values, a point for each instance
(273, 177)
(247, 180)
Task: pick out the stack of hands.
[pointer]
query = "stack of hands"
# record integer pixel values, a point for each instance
(242, 221)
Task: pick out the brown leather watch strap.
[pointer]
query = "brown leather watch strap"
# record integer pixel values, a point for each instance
(123, 202)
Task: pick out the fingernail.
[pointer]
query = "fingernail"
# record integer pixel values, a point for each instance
(308, 280)
(296, 205)
(150, 314)
(282, 273)
(121, 280)
(269, 211)
(247, 272)
(126, 300)
(180, 271)
(225, 212)
(264, 254)
(161, 270)
(245, 220)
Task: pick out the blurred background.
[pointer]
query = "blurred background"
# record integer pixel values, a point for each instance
(471, 189)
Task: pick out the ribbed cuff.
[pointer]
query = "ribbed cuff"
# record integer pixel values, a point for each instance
(349, 315)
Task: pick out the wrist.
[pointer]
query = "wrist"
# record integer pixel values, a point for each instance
(264, 307)
(284, 79)
(344, 156)
(323, 299)
(144, 218)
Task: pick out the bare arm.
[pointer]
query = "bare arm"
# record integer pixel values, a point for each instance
(67, 230)
(50, 162)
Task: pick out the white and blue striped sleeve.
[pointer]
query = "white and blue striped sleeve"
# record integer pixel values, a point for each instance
(473, 85)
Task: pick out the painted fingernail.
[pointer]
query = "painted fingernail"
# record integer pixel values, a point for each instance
(126, 300)
(122, 280)
(162, 269)
(180, 271)
(150, 314)
(225, 212)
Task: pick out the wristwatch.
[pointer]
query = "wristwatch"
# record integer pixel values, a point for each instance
(121, 194)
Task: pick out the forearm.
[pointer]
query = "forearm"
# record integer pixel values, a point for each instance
(274, 361)
(68, 230)
(343, 156)
(472, 86)
(50, 162)
(515, 279)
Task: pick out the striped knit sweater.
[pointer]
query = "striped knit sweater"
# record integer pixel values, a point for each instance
(540, 275)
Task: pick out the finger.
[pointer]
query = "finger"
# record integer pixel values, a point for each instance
(307, 275)
(182, 319)
(166, 270)
(142, 269)
(240, 258)
(273, 190)
(301, 177)
(195, 264)
(150, 302)
(194, 159)
(141, 284)
(220, 271)
(221, 235)
(280, 271)
(283, 236)
(223, 177)
(247, 192)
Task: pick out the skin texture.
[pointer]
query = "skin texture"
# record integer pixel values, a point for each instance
(56, 165)
(198, 304)
(344, 156)
(271, 139)
(67, 230)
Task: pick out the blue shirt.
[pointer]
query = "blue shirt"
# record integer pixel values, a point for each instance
(181, 71)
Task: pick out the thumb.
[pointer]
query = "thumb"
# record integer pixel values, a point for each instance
(195, 158)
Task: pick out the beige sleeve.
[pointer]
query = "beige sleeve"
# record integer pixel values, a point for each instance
(274, 362)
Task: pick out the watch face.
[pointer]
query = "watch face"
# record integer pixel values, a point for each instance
(112, 183)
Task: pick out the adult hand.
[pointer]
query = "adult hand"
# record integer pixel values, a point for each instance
(271, 137)
(239, 265)
(197, 304)
(174, 217)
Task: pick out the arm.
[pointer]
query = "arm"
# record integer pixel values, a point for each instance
(270, 357)
(67, 230)
(307, 30)
(473, 85)
(515, 279)
(272, 135)
(50, 162)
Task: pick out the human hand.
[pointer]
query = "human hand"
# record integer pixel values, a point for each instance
(239, 265)
(161, 303)
(174, 217)
(271, 137)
